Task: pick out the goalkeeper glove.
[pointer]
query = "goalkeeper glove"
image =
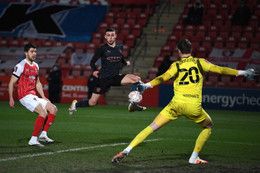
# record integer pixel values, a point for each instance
(141, 87)
(249, 73)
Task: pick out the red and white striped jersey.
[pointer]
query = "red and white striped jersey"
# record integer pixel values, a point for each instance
(27, 74)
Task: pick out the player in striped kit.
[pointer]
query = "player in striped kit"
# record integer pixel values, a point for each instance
(26, 74)
(188, 82)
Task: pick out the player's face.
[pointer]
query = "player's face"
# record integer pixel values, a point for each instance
(110, 37)
(31, 54)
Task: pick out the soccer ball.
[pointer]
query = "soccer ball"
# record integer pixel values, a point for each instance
(135, 97)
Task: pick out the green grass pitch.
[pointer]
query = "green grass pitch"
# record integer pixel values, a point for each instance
(87, 141)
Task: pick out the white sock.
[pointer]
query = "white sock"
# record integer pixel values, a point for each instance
(44, 133)
(34, 138)
(128, 149)
(194, 155)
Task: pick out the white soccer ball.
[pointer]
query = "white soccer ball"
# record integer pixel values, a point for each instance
(135, 97)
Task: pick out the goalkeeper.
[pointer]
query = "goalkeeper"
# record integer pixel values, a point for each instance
(188, 73)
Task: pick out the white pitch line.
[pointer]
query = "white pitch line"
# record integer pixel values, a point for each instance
(69, 150)
(111, 145)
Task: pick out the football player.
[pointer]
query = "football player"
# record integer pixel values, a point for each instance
(26, 73)
(111, 60)
(188, 73)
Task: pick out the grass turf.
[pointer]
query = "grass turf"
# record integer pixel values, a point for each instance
(84, 142)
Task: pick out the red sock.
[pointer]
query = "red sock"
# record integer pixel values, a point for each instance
(50, 119)
(38, 125)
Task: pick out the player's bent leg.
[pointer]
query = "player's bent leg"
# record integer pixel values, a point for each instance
(130, 79)
(40, 110)
(94, 99)
(52, 109)
(84, 103)
(38, 125)
(158, 122)
(136, 141)
(37, 128)
(207, 125)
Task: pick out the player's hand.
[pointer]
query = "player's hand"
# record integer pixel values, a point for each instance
(11, 102)
(250, 74)
(95, 73)
(46, 99)
(128, 63)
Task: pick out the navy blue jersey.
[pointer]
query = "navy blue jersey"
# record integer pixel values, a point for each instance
(111, 60)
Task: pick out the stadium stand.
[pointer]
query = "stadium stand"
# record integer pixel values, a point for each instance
(216, 31)
(128, 20)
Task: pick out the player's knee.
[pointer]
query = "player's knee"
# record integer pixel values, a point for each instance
(53, 110)
(92, 103)
(154, 126)
(209, 125)
(43, 113)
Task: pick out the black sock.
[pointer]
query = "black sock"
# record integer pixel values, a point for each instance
(83, 103)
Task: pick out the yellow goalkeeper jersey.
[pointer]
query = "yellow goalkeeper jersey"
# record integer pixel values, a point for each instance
(188, 73)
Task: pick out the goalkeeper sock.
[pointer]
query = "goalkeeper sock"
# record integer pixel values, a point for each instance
(141, 136)
(82, 103)
(38, 125)
(201, 140)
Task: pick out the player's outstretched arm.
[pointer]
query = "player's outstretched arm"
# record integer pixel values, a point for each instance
(249, 73)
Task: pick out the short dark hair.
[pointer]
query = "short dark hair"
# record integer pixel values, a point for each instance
(28, 46)
(184, 46)
(110, 30)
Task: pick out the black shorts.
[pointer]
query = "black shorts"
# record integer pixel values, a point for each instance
(104, 84)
